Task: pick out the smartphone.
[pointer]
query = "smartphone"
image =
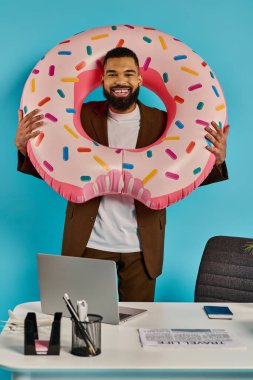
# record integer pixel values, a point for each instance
(218, 312)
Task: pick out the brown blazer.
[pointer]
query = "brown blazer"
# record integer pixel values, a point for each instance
(80, 217)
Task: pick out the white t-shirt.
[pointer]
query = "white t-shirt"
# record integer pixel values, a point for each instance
(115, 228)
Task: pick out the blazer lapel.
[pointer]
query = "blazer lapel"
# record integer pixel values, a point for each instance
(99, 123)
(145, 124)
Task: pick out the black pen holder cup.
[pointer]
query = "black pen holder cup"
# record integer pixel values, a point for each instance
(86, 336)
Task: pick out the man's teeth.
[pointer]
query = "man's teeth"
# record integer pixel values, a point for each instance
(121, 91)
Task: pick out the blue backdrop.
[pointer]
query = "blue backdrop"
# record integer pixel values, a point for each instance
(32, 214)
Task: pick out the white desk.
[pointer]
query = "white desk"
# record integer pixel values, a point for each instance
(123, 357)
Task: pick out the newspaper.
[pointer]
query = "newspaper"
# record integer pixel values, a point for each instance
(188, 338)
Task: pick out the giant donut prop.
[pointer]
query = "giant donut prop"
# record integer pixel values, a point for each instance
(158, 175)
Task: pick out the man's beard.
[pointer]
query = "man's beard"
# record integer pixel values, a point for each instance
(121, 103)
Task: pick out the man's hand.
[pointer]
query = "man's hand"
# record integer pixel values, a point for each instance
(219, 140)
(27, 128)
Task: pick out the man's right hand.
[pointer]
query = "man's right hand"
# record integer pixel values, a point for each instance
(27, 128)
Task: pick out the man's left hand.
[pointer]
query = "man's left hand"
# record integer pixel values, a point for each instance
(218, 138)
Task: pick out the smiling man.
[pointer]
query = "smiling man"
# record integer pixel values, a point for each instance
(116, 227)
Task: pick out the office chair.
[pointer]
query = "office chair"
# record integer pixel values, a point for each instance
(226, 271)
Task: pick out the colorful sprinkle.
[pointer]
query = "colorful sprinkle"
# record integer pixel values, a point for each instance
(80, 65)
(61, 93)
(204, 64)
(51, 70)
(149, 153)
(147, 39)
(179, 57)
(171, 154)
(127, 166)
(70, 80)
(65, 153)
(190, 147)
(101, 162)
(163, 43)
(172, 175)
(146, 63)
(25, 109)
(171, 138)
(64, 52)
(189, 71)
(220, 107)
(129, 26)
(70, 110)
(48, 166)
(179, 124)
(149, 176)
(215, 91)
(197, 170)
(44, 101)
(220, 124)
(178, 99)
(89, 50)
(195, 87)
(33, 85)
(94, 38)
(64, 42)
(51, 117)
(39, 139)
(83, 150)
(120, 43)
(212, 75)
(165, 77)
(118, 151)
(35, 71)
(200, 106)
(202, 122)
(148, 28)
(114, 27)
(95, 143)
(70, 130)
(85, 178)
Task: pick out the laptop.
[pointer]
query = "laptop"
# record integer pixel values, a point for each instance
(82, 279)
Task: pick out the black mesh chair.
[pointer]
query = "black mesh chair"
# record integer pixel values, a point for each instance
(226, 271)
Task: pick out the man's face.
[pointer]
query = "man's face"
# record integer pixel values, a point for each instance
(121, 81)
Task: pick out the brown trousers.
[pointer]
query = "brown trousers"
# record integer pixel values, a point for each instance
(134, 283)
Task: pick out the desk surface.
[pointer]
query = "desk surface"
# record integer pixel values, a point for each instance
(121, 349)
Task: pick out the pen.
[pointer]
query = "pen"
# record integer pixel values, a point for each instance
(80, 327)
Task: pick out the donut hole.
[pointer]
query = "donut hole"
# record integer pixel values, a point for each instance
(146, 96)
(153, 93)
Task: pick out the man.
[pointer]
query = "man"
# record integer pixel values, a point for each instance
(116, 227)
